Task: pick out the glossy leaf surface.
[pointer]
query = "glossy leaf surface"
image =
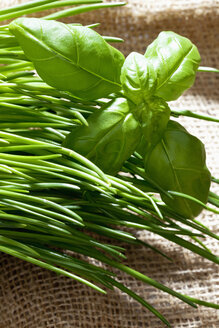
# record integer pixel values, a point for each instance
(70, 58)
(175, 60)
(178, 163)
(138, 78)
(110, 138)
(153, 117)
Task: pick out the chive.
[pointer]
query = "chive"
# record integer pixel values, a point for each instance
(38, 6)
(82, 9)
(49, 267)
(208, 69)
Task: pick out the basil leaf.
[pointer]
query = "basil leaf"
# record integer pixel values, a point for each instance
(70, 58)
(138, 78)
(110, 138)
(177, 163)
(176, 60)
(153, 118)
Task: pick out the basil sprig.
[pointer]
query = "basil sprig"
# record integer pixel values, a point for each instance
(78, 60)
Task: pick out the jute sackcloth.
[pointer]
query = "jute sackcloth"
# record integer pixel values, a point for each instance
(34, 298)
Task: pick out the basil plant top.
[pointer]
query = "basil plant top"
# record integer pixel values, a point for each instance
(78, 60)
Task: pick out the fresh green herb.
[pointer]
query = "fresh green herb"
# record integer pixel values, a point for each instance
(175, 60)
(78, 53)
(110, 138)
(182, 157)
(54, 139)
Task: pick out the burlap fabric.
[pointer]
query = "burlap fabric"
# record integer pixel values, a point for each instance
(34, 298)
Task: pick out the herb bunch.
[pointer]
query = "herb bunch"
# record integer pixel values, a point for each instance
(56, 199)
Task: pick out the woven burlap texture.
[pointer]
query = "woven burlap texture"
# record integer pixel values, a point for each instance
(34, 298)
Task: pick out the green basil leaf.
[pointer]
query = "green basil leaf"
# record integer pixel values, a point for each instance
(177, 163)
(138, 78)
(70, 58)
(176, 60)
(110, 138)
(153, 117)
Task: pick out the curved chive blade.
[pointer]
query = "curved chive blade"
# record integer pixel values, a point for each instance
(82, 9)
(208, 69)
(40, 6)
(49, 267)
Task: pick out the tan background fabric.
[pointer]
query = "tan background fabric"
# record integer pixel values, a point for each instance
(34, 298)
